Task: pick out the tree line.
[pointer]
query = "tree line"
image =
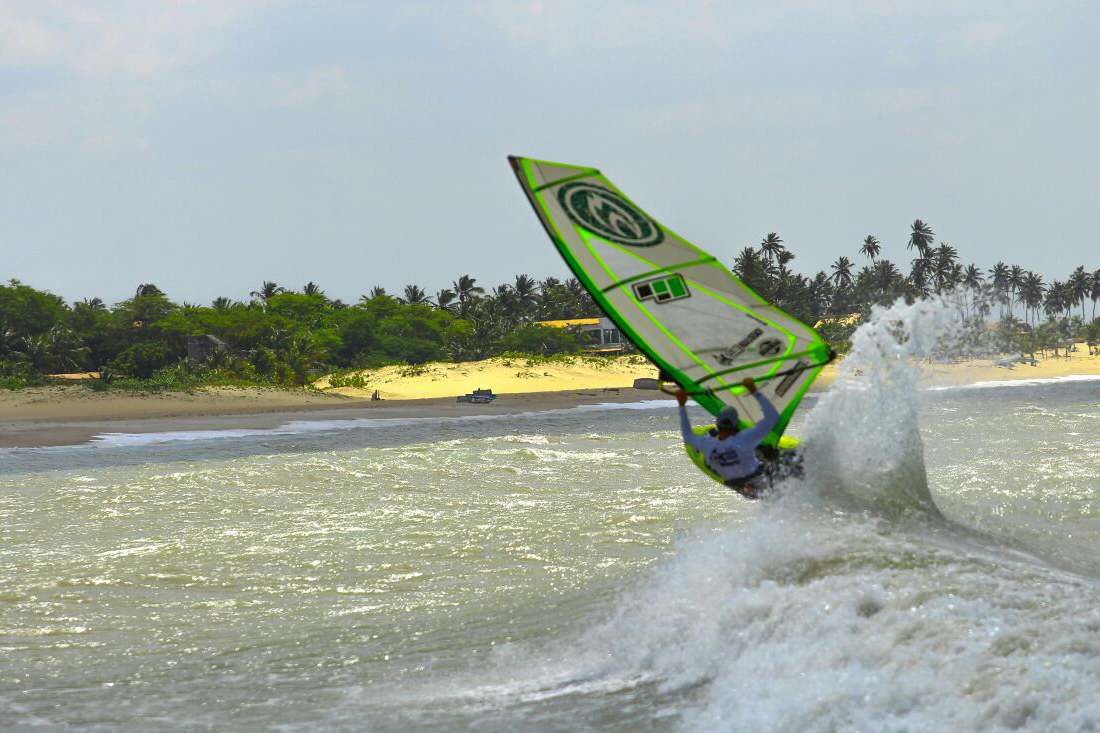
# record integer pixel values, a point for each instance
(279, 335)
(284, 336)
(935, 268)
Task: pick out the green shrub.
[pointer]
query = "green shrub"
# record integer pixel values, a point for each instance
(19, 382)
(264, 361)
(142, 359)
(17, 375)
(348, 379)
(543, 340)
(413, 370)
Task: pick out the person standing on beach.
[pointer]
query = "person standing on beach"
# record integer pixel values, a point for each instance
(732, 452)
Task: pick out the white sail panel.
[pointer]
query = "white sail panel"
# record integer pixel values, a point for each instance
(677, 303)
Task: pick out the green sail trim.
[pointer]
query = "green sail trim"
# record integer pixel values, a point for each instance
(676, 303)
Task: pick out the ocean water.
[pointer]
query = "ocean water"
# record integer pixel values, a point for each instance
(938, 569)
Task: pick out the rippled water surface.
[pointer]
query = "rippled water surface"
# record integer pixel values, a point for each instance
(568, 571)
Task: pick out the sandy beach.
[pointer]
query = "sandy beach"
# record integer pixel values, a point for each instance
(979, 371)
(71, 414)
(517, 376)
(54, 416)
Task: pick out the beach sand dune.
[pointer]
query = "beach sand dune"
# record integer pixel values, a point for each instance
(502, 375)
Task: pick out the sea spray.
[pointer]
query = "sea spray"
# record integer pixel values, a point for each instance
(828, 610)
(862, 442)
(864, 468)
(721, 594)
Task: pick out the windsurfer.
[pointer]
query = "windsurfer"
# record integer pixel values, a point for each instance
(732, 452)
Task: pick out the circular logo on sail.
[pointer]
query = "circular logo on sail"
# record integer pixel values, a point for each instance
(608, 215)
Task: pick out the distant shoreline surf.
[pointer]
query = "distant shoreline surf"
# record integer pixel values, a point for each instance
(66, 416)
(113, 426)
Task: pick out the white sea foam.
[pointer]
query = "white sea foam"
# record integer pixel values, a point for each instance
(1026, 382)
(801, 622)
(849, 603)
(301, 427)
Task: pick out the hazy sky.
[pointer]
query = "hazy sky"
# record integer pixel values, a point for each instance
(207, 146)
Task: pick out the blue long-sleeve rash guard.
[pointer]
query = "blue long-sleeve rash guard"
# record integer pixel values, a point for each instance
(734, 457)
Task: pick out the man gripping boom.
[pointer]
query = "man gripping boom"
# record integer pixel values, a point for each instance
(732, 452)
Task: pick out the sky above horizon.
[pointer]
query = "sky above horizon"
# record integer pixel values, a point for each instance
(208, 146)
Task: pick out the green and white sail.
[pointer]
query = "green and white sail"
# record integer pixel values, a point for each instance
(678, 304)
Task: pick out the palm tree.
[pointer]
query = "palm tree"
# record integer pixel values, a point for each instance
(1015, 282)
(973, 277)
(302, 353)
(1079, 287)
(771, 246)
(377, 292)
(443, 300)
(871, 247)
(581, 304)
(1031, 292)
(466, 289)
(921, 238)
(1094, 292)
(946, 252)
(999, 276)
(751, 269)
(415, 295)
(953, 276)
(842, 272)
(820, 291)
(311, 288)
(1055, 300)
(943, 265)
(504, 303)
(34, 351)
(887, 278)
(267, 290)
(526, 289)
(918, 275)
(57, 348)
(147, 289)
(97, 305)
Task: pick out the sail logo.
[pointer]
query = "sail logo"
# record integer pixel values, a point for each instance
(792, 376)
(727, 357)
(608, 215)
(769, 347)
(662, 289)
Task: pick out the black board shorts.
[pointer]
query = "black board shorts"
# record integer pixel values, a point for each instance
(753, 485)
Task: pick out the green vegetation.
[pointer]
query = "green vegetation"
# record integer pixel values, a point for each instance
(278, 337)
(283, 337)
(841, 299)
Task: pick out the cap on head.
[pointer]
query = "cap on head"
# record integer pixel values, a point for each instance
(728, 419)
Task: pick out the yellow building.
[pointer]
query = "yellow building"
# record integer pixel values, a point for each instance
(598, 334)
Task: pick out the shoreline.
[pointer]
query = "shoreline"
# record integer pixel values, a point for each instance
(53, 424)
(73, 415)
